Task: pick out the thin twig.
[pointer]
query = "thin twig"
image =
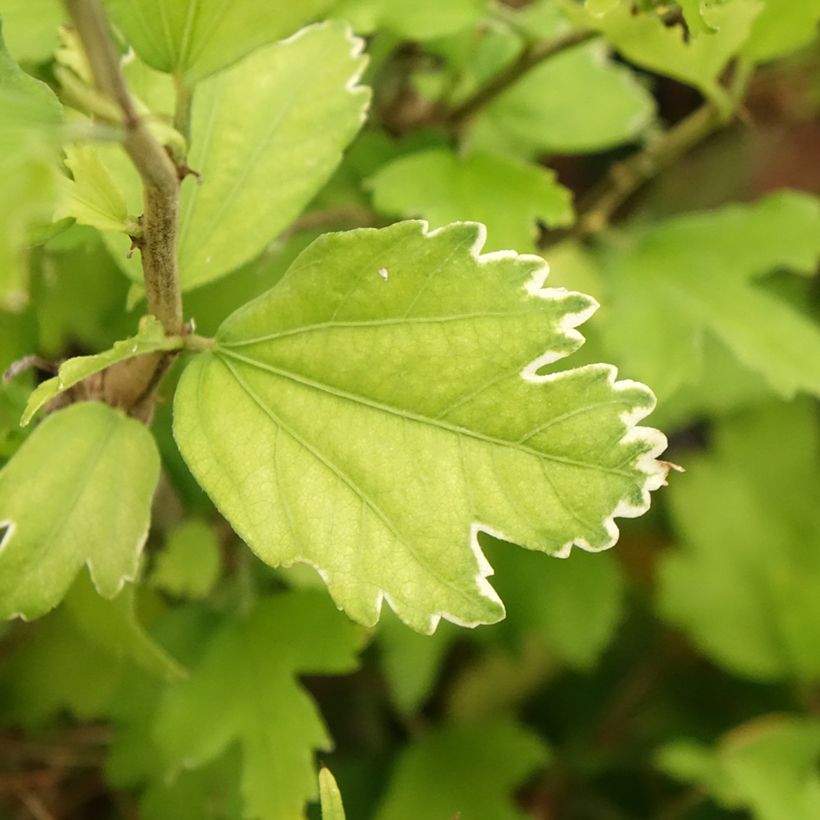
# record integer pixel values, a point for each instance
(159, 175)
(529, 58)
(626, 177)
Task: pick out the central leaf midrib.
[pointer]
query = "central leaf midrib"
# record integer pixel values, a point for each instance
(415, 417)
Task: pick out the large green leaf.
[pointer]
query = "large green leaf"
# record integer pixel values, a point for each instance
(782, 27)
(768, 766)
(509, 196)
(463, 771)
(541, 111)
(413, 19)
(266, 135)
(77, 492)
(676, 280)
(247, 685)
(383, 403)
(194, 38)
(29, 119)
(749, 523)
(30, 28)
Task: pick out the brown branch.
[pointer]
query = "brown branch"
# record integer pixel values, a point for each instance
(159, 174)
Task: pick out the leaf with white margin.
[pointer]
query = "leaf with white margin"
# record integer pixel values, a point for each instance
(77, 492)
(150, 338)
(382, 404)
(266, 136)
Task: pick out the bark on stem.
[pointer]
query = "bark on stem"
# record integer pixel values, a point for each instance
(158, 245)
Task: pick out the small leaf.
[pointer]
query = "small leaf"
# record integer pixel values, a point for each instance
(150, 338)
(412, 19)
(783, 26)
(769, 767)
(195, 39)
(93, 196)
(77, 492)
(188, 566)
(678, 279)
(757, 574)
(509, 196)
(331, 798)
(541, 112)
(352, 421)
(247, 684)
(463, 771)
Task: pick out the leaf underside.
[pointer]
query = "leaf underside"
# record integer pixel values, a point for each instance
(382, 404)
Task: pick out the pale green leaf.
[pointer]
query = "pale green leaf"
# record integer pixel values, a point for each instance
(509, 196)
(247, 685)
(150, 338)
(92, 197)
(29, 120)
(383, 403)
(756, 573)
(769, 767)
(77, 492)
(411, 19)
(540, 113)
(647, 41)
(30, 28)
(696, 14)
(675, 280)
(463, 771)
(266, 135)
(112, 625)
(783, 26)
(188, 566)
(330, 797)
(195, 38)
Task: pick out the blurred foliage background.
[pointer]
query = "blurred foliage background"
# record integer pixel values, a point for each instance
(674, 677)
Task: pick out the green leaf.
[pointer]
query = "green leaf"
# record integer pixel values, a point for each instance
(676, 280)
(783, 26)
(330, 797)
(194, 39)
(92, 197)
(29, 120)
(150, 338)
(267, 134)
(541, 112)
(30, 28)
(77, 492)
(247, 684)
(412, 19)
(112, 625)
(573, 606)
(189, 565)
(750, 546)
(696, 15)
(349, 419)
(509, 196)
(647, 41)
(463, 771)
(768, 767)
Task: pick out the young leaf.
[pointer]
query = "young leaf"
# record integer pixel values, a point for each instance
(150, 338)
(767, 766)
(188, 567)
(509, 196)
(77, 492)
(330, 797)
(29, 120)
(645, 40)
(540, 112)
(695, 273)
(382, 404)
(92, 197)
(193, 39)
(751, 546)
(463, 771)
(247, 684)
